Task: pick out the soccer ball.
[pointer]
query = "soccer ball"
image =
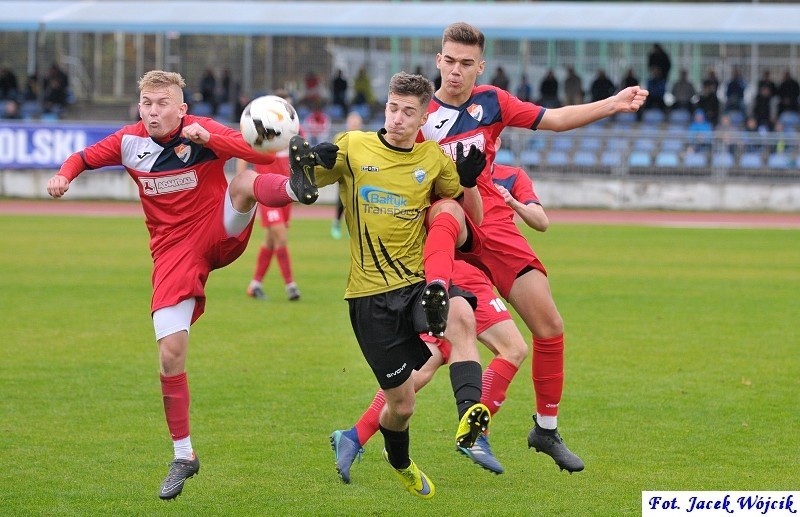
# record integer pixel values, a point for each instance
(268, 123)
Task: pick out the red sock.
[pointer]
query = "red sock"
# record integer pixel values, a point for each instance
(262, 263)
(548, 373)
(282, 255)
(440, 247)
(175, 390)
(270, 190)
(368, 424)
(496, 378)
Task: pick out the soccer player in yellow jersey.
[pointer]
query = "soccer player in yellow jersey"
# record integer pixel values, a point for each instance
(399, 282)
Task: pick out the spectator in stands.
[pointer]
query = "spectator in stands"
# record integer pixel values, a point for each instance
(339, 90)
(630, 79)
(659, 59)
(524, 90)
(363, 88)
(788, 93)
(11, 110)
(725, 134)
(228, 90)
(56, 72)
(9, 86)
(573, 88)
(683, 91)
(709, 102)
(500, 79)
(700, 133)
(764, 106)
(242, 100)
(317, 124)
(312, 96)
(208, 89)
(548, 91)
(734, 91)
(32, 88)
(712, 79)
(55, 95)
(657, 86)
(766, 81)
(602, 87)
(753, 141)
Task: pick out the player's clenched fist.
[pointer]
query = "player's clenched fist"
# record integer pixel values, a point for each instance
(57, 186)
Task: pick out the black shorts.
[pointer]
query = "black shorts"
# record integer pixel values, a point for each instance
(387, 327)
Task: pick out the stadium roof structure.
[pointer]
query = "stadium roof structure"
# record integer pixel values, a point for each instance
(599, 21)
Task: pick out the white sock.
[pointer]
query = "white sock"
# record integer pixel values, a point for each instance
(183, 448)
(547, 422)
(254, 284)
(291, 192)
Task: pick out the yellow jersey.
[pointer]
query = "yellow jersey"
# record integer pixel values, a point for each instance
(386, 192)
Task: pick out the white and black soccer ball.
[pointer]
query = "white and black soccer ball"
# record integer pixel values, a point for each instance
(268, 123)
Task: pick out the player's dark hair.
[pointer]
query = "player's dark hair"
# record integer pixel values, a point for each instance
(403, 83)
(464, 33)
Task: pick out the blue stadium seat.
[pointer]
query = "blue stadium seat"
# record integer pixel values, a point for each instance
(722, 160)
(562, 143)
(667, 159)
(590, 143)
(224, 111)
(779, 161)
(617, 144)
(29, 109)
(674, 145)
(653, 116)
(335, 111)
(751, 161)
(680, 116)
(737, 118)
(640, 159)
(789, 119)
(611, 158)
(557, 159)
(625, 118)
(505, 157)
(645, 144)
(530, 158)
(695, 161)
(584, 159)
(201, 109)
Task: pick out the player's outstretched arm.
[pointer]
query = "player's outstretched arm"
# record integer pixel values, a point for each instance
(570, 117)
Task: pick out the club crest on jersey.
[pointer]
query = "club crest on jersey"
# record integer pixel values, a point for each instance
(183, 152)
(475, 111)
(419, 175)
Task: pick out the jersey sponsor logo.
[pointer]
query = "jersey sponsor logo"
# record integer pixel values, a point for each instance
(441, 123)
(142, 155)
(419, 175)
(183, 152)
(168, 184)
(380, 196)
(475, 111)
(370, 168)
(477, 140)
(378, 201)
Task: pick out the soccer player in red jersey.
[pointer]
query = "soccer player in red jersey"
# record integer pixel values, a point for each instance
(466, 114)
(196, 220)
(494, 328)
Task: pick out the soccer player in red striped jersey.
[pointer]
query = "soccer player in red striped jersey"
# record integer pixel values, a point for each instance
(196, 220)
(466, 114)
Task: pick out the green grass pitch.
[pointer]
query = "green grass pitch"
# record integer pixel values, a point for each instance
(682, 374)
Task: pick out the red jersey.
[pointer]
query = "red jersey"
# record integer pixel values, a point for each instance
(180, 182)
(478, 122)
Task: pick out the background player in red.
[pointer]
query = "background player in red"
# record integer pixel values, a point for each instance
(196, 220)
(463, 114)
(494, 328)
(275, 220)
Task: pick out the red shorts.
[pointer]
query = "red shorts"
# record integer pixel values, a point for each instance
(272, 216)
(501, 251)
(181, 270)
(490, 308)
